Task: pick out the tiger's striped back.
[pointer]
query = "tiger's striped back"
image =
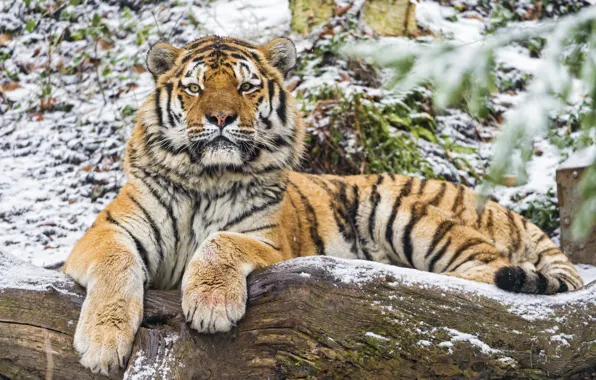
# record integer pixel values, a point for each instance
(428, 225)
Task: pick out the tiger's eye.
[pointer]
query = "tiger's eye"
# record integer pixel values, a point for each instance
(194, 88)
(246, 86)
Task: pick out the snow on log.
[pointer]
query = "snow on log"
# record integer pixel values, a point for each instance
(315, 317)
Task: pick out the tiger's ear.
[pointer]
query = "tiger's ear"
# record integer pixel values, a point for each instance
(161, 58)
(281, 54)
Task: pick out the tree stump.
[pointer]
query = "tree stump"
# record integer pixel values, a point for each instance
(316, 317)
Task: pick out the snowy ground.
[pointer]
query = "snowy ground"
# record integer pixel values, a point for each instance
(61, 164)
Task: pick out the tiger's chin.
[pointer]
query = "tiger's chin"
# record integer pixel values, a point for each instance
(221, 155)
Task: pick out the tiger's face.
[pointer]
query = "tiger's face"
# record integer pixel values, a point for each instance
(221, 101)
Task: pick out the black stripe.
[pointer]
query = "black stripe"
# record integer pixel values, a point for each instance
(439, 197)
(281, 108)
(269, 244)
(153, 225)
(266, 226)
(490, 224)
(438, 255)
(422, 186)
(353, 214)
(514, 231)
(542, 254)
(415, 216)
(195, 53)
(158, 106)
(241, 43)
(252, 211)
(322, 184)
(199, 42)
(479, 216)
(299, 242)
(405, 191)
(140, 248)
(239, 56)
(440, 233)
(469, 244)
(311, 217)
(243, 64)
(340, 215)
(168, 209)
(458, 199)
(375, 198)
(271, 89)
(348, 213)
(169, 88)
(195, 210)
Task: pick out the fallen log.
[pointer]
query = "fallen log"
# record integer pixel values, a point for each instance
(318, 318)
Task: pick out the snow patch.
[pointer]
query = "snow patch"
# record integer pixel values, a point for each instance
(18, 274)
(527, 306)
(459, 336)
(144, 368)
(376, 336)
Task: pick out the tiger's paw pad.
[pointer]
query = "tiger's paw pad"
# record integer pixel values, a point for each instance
(214, 309)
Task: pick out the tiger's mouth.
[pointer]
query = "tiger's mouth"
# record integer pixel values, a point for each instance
(220, 141)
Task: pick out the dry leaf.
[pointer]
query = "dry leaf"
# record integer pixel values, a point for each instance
(345, 77)
(510, 181)
(10, 86)
(340, 11)
(291, 85)
(105, 44)
(5, 39)
(138, 69)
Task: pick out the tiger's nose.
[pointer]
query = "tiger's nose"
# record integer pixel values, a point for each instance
(221, 119)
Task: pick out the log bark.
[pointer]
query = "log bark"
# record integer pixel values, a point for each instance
(318, 318)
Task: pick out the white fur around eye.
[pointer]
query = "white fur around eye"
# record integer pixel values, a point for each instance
(191, 93)
(253, 87)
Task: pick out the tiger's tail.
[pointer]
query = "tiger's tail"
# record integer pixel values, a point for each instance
(552, 274)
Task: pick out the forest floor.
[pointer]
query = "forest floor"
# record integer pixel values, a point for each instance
(72, 76)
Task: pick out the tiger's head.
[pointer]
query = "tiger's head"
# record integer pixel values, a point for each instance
(220, 104)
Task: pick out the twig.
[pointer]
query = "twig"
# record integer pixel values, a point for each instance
(175, 25)
(95, 63)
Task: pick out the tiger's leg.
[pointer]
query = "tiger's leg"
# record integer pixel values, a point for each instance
(214, 287)
(107, 261)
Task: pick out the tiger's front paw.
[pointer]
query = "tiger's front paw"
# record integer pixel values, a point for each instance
(105, 335)
(213, 306)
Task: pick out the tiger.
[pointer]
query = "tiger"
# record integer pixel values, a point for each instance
(212, 194)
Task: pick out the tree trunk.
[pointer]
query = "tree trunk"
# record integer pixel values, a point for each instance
(317, 318)
(307, 14)
(391, 17)
(385, 17)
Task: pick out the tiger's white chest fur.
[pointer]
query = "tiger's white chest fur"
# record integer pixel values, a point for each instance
(186, 219)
